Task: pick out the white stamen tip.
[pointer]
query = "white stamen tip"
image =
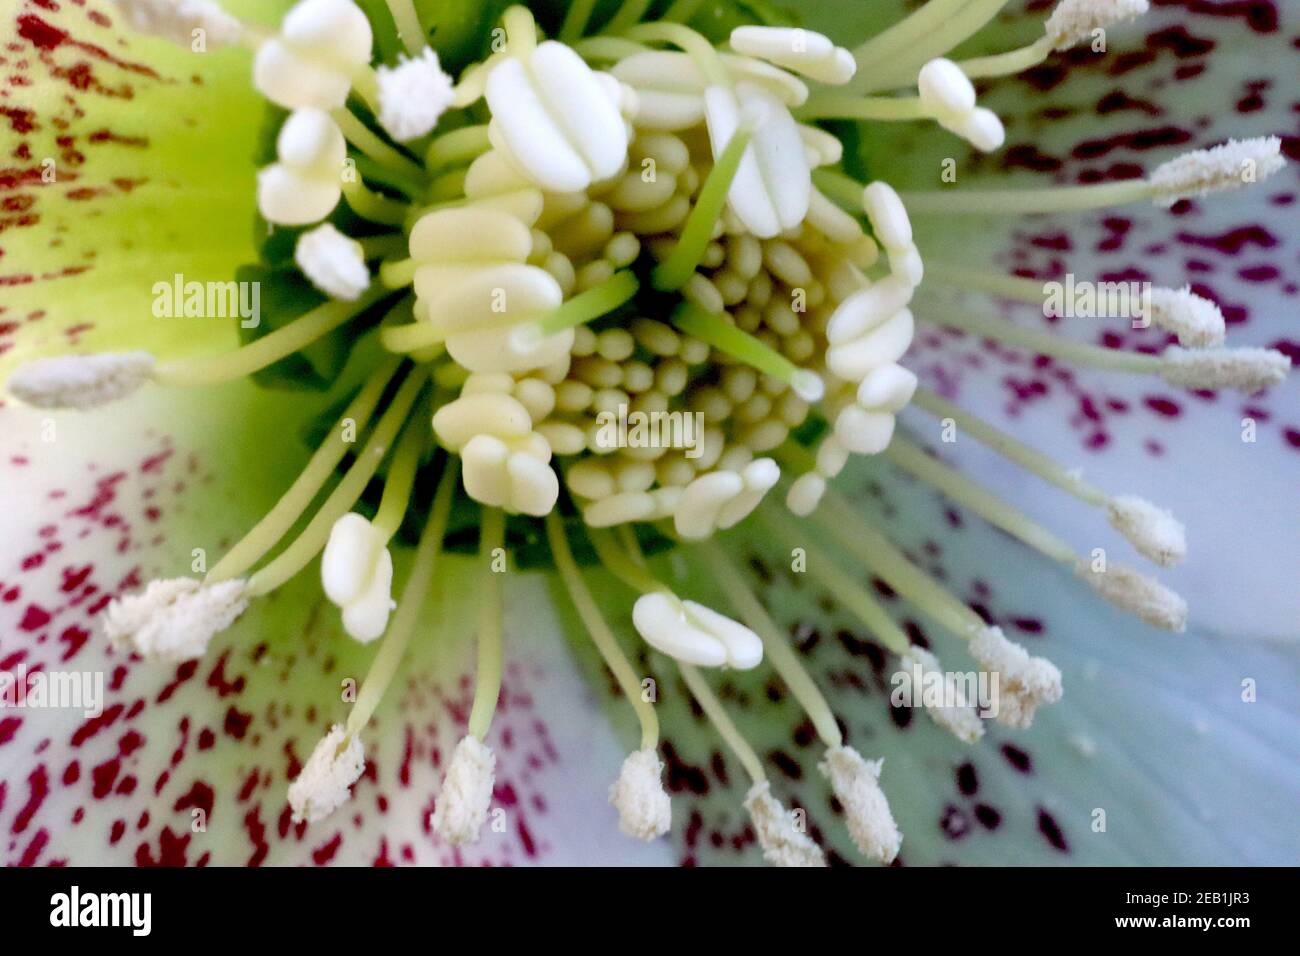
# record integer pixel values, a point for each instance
(694, 634)
(356, 572)
(644, 810)
(306, 183)
(1248, 370)
(466, 792)
(808, 385)
(526, 336)
(784, 843)
(1230, 165)
(325, 781)
(311, 62)
(176, 20)
(80, 381)
(333, 262)
(803, 51)
(173, 620)
(1197, 322)
(805, 494)
(1147, 598)
(1154, 532)
(413, 95)
(1025, 683)
(856, 786)
(1073, 21)
(954, 713)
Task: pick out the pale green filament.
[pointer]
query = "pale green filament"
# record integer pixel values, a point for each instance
(600, 299)
(619, 563)
(682, 11)
(1009, 63)
(270, 348)
(629, 14)
(840, 189)
(962, 491)
(676, 270)
(521, 31)
(401, 477)
(309, 543)
(775, 644)
(722, 722)
(902, 36)
(952, 31)
(384, 666)
(408, 25)
(267, 532)
(360, 135)
(382, 246)
(848, 106)
(1006, 446)
(1021, 202)
(450, 185)
(608, 48)
(365, 84)
(1044, 343)
(601, 635)
(699, 48)
(1019, 288)
(487, 686)
(459, 146)
(369, 204)
(740, 345)
(844, 588)
(398, 273)
(575, 21)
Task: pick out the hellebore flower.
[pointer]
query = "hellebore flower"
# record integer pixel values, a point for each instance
(316, 288)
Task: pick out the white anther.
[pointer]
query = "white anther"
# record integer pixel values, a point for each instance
(703, 499)
(863, 432)
(334, 263)
(466, 792)
(783, 843)
(808, 385)
(803, 51)
(305, 185)
(173, 620)
(413, 95)
(481, 413)
(856, 785)
(907, 265)
(1153, 531)
(853, 361)
(1248, 370)
(644, 810)
(177, 20)
(759, 477)
(805, 494)
(867, 308)
(887, 389)
(887, 215)
(773, 183)
(947, 704)
(1025, 683)
(832, 456)
(1196, 321)
(1231, 165)
(946, 92)
(556, 119)
(80, 381)
(694, 634)
(467, 235)
(356, 573)
(1076, 21)
(981, 127)
(1136, 593)
(321, 44)
(326, 779)
(510, 474)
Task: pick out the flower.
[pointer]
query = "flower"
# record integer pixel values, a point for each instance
(515, 295)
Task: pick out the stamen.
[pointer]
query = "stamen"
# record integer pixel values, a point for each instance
(327, 777)
(360, 135)
(459, 146)
(466, 794)
(413, 95)
(584, 307)
(334, 263)
(1025, 683)
(782, 843)
(644, 809)
(630, 12)
(321, 44)
(575, 21)
(855, 783)
(700, 49)
(312, 539)
(949, 33)
(803, 51)
(1248, 370)
(305, 184)
(1074, 21)
(409, 29)
(369, 204)
(1147, 598)
(173, 620)
(270, 348)
(744, 347)
(1232, 165)
(264, 535)
(959, 718)
(1154, 532)
(80, 381)
(176, 20)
